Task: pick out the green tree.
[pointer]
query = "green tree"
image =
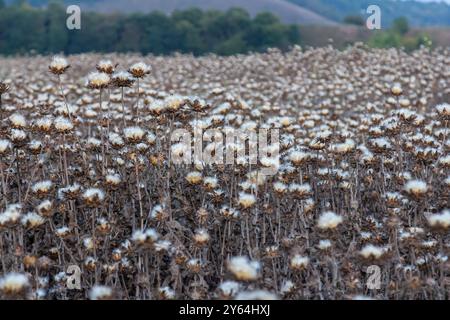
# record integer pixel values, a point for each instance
(56, 27)
(25, 29)
(401, 25)
(233, 45)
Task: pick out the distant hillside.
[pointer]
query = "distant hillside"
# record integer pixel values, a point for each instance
(418, 13)
(285, 10)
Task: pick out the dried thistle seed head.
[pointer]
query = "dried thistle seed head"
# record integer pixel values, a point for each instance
(380, 145)
(44, 263)
(159, 213)
(228, 289)
(89, 243)
(156, 160)
(166, 293)
(439, 221)
(122, 79)
(178, 151)
(113, 180)
(256, 295)
(344, 148)
(396, 89)
(106, 66)
(229, 213)
(63, 125)
(194, 177)
(134, 134)
(116, 255)
(244, 269)
(59, 65)
(5, 146)
(317, 144)
(201, 237)
(90, 264)
(35, 147)
(18, 137)
(71, 192)
(371, 252)
(29, 261)
(299, 262)
(324, 245)
(3, 88)
(18, 121)
(32, 220)
(299, 158)
(180, 258)
(103, 226)
(116, 140)
(272, 251)
(194, 265)
(309, 205)
(12, 284)
(246, 200)
(43, 124)
(100, 293)
(98, 80)
(443, 111)
(329, 220)
(393, 199)
(93, 197)
(198, 105)
(417, 189)
(210, 183)
(42, 188)
(287, 288)
(301, 191)
(147, 237)
(63, 232)
(202, 215)
(174, 103)
(156, 108)
(139, 70)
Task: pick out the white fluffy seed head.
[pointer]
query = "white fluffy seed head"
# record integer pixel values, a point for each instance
(244, 269)
(416, 187)
(100, 293)
(139, 70)
(246, 200)
(58, 65)
(63, 124)
(14, 283)
(42, 186)
(256, 295)
(98, 80)
(443, 110)
(299, 262)
(440, 220)
(194, 177)
(18, 120)
(371, 251)
(229, 288)
(329, 220)
(93, 195)
(134, 133)
(32, 220)
(5, 145)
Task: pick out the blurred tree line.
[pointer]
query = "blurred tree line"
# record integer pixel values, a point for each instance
(399, 36)
(25, 29)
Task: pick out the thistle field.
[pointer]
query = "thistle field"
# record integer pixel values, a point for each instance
(358, 206)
